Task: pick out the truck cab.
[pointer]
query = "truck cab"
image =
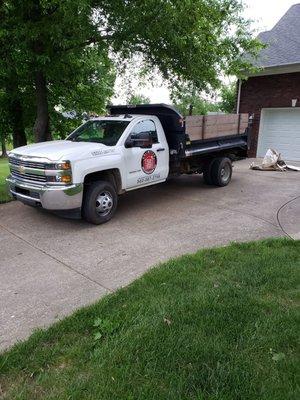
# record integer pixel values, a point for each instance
(128, 149)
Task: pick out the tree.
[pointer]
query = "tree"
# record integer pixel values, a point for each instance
(86, 84)
(189, 102)
(188, 41)
(3, 129)
(11, 73)
(195, 106)
(228, 96)
(49, 54)
(138, 99)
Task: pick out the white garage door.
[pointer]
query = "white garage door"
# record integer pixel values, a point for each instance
(280, 130)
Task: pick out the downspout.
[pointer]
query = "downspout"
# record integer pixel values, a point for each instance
(239, 96)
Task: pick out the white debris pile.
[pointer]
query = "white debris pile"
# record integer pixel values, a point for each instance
(273, 162)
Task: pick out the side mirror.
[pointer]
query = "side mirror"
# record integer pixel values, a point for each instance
(142, 140)
(129, 143)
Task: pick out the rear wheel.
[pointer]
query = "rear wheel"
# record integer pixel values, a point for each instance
(207, 173)
(99, 202)
(221, 171)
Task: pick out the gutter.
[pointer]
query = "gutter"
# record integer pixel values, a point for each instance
(275, 69)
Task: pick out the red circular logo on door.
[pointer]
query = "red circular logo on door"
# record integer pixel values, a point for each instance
(149, 162)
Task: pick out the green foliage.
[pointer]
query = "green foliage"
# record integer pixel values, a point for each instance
(4, 171)
(188, 97)
(87, 86)
(138, 99)
(228, 98)
(104, 328)
(189, 102)
(219, 324)
(188, 41)
(4, 120)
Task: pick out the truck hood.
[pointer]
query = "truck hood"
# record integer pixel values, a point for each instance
(61, 149)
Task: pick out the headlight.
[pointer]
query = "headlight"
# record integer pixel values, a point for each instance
(64, 178)
(63, 165)
(60, 173)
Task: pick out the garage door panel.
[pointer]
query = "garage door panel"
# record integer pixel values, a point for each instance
(280, 130)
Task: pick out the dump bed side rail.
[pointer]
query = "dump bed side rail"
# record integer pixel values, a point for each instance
(199, 148)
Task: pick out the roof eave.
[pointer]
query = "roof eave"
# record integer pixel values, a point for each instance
(276, 69)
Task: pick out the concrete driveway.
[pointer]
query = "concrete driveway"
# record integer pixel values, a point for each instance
(50, 266)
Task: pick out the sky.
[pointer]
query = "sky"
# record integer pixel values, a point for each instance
(264, 13)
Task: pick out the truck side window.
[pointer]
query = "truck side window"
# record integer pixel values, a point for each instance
(144, 127)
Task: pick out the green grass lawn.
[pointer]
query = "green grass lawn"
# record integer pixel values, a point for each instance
(219, 324)
(4, 171)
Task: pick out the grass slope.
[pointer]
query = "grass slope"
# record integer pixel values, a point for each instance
(4, 171)
(219, 324)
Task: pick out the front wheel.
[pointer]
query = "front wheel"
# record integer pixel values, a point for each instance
(99, 202)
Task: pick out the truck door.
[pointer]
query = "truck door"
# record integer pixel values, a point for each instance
(147, 166)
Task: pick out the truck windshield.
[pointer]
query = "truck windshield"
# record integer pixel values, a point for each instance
(105, 132)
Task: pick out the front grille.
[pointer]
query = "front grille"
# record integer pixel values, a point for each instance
(24, 169)
(29, 177)
(27, 163)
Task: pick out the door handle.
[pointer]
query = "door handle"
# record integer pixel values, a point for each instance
(161, 149)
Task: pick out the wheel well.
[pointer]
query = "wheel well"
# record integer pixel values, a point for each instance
(112, 176)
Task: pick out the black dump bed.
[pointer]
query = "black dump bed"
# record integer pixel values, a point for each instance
(176, 132)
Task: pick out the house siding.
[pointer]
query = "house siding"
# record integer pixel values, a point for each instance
(272, 91)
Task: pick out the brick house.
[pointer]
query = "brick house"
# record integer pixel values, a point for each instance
(273, 94)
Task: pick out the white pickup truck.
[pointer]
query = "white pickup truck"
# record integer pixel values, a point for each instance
(132, 147)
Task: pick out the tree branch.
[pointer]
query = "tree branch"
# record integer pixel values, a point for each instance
(87, 42)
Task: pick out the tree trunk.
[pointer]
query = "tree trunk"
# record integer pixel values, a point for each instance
(15, 110)
(16, 115)
(3, 147)
(41, 126)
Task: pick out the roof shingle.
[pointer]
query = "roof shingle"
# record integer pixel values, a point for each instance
(283, 41)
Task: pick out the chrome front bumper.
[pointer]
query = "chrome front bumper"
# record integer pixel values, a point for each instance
(68, 197)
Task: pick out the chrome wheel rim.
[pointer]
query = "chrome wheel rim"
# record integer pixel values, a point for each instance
(225, 173)
(104, 203)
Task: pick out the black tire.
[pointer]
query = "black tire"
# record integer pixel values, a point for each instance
(207, 173)
(221, 171)
(99, 202)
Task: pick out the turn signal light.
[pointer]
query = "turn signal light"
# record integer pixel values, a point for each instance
(66, 178)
